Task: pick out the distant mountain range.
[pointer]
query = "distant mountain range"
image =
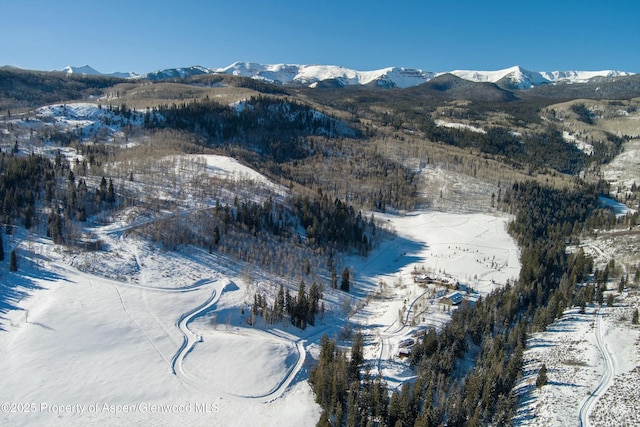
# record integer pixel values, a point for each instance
(85, 69)
(322, 75)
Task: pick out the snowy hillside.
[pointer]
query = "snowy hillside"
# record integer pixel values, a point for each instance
(187, 264)
(172, 330)
(79, 120)
(172, 334)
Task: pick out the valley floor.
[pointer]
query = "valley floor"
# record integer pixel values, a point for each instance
(165, 340)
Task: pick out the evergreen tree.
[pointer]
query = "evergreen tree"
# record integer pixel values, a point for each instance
(216, 235)
(111, 194)
(13, 261)
(504, 411)
(357, 358)
(344, 284)
(334, 277)
(634, 317)
(279, 305)
(288, 303)
(101, 192)
(301, 307)
(621, 284)
(54, 228)
(29, 215)
(600, 294)
(542, 376)
(315, 295)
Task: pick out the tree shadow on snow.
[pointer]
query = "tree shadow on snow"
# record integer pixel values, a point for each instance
(16, 286)
(561, 384)
(400, 253)
(540, 343)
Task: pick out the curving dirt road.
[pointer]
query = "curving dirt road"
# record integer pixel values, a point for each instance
(190, 338)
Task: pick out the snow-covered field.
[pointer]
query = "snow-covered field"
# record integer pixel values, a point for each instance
(83, 349)
(580, 144)
(138, 335)
(472, 249)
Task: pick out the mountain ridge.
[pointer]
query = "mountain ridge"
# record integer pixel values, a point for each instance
(515, 77)
(88, 70)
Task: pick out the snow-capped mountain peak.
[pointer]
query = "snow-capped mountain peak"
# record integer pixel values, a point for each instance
(90, 71)
(520, 78)
(310, 75)
(515, 77)
(276, 73)
(85, 69)
(177, 73)
(582, 76)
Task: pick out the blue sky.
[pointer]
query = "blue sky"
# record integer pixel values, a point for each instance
(438, 35)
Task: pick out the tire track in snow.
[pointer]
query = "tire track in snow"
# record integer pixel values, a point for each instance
(385, 352)
(410, 309)
(607, 375)
(198, 284)
(124, 307)
(288, 378)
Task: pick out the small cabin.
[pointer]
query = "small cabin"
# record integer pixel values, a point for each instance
(404, 352)
(454, 298)
(422, 278)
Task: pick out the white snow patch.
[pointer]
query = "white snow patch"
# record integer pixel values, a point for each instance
(583, 146)
(460, 126)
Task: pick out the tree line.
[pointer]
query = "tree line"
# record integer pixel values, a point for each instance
(301, 309)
